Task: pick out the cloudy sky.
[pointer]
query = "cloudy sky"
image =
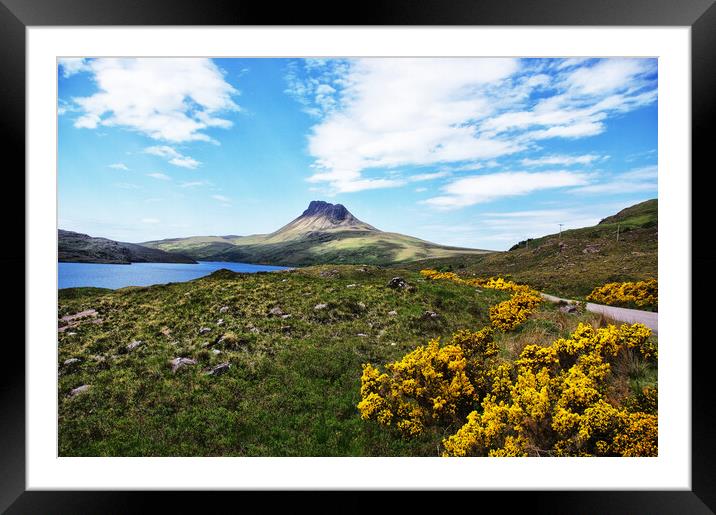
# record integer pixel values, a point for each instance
(473, 152)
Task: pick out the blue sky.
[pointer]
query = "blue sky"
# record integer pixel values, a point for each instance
(472, 152)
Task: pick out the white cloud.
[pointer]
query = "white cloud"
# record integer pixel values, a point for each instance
(387, 113)
(192, 184)
(428, 176)
(634, 181)
(173, 156)
(172, 99)
(221, 198)
(126, 186)
(562, 160)
(72, 65)
(160, 176)
(150, 221)
(485, 188)
(420, 190)
(119, 166)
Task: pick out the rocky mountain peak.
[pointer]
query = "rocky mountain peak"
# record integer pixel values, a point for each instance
(337, 212)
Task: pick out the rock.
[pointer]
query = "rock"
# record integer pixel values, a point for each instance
(429, 315)
(288, 315)
(284, 280)
(219, 369)
(71, 361)
(362, 335)
(220, 321)
(329, 273)
(318, 307)
(569, 308)
(82, 314)
(392, 344)
(392, 313)
(216, 351)
(361, 305)
(178, 363)
(397, 283)
(134, 344)
(286, 328)
(591, 249)
(254, 330)
(361, 269)
(79, 390)
(204, 330)
(71, 334)
(166, 331)
(276, 311)
(223, 309)
(351, 286)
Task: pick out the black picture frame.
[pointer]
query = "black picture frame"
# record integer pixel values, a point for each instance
(17, 15)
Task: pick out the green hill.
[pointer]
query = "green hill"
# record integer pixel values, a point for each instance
(581, 259)
(80, 248)
(324, 233)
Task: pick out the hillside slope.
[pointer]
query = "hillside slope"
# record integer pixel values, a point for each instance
(323, 233)
(582, 259)
(81, 248)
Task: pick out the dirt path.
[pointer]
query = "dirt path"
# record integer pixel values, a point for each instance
(629, 316)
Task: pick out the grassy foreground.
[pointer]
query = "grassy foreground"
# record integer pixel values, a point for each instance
(295, 341)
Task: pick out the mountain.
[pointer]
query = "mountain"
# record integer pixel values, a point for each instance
(81, 248)
(581, 259)
(323, 233)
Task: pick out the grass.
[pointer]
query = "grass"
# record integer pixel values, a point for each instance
(294, 382)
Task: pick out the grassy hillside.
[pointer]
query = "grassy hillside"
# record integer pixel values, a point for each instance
(81, 248)
(351, 246)
(295, 342)
(581, 259)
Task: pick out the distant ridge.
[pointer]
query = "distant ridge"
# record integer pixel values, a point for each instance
(82, 248)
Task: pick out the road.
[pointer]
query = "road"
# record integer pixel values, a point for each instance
(629, 316)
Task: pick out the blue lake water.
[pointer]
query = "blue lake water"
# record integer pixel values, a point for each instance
(72, 275)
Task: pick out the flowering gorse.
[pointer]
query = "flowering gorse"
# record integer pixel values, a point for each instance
(642, 293)
(506, 315)
(550, 401)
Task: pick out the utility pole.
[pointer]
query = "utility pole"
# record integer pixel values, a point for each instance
(560, 232)
(618, 225)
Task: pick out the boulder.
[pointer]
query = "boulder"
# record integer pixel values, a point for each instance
(204, 330)
(429, 315)
(219, 369)
(223, 309)
(71, 361)
(178, 363)
(392, 313)
(134, 344)
(276, 311)
(568, 308)
(397, 283)
(79, 390)
(318, 307)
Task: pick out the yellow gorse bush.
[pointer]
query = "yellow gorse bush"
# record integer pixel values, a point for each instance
(558, 405)
(506, 315)
(551, 401)
(641, 293)
(432, 384)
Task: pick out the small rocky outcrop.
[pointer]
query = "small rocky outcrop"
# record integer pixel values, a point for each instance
(397, 283)
(80, 389)
(134, 344)
(219, 369)
(178, 363)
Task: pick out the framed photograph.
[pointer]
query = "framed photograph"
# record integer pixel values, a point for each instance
(415, 250)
